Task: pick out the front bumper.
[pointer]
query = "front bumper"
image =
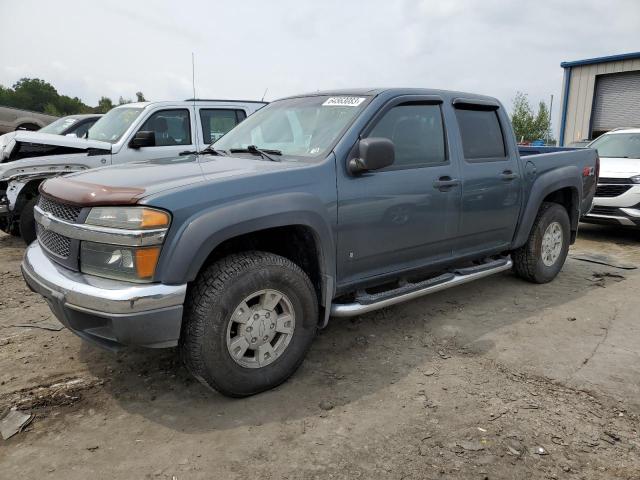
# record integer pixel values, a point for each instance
(107, 312)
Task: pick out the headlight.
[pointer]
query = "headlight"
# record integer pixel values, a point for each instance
(128, 218)
(129, 248)
(132, 264)
(636, 179)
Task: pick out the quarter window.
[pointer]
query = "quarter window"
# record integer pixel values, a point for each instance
(417, 133)
(217, 122)
(171, 127)
(481, 134)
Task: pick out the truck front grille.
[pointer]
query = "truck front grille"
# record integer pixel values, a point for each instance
(63, 211)
(611, 190)
(53, 242)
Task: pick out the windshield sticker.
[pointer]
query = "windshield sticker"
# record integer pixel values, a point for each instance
(343, 101)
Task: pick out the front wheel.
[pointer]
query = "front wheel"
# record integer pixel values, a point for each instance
(250, 319)
(542, 257)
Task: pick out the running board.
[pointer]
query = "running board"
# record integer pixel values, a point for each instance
(369, 302)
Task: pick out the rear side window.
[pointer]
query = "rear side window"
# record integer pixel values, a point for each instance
(217, 121)
(481, 134)
(417, 133)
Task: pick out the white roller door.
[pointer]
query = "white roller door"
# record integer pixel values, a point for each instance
(617, 101)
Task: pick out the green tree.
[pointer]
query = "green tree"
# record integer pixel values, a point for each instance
(140, 97)
(527, 124)
(104, 105)
(123, 101)
(33, 94)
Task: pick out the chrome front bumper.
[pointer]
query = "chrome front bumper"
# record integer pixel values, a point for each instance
(108, 312)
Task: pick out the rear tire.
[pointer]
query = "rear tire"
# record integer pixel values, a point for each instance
(542, 257)
(216, 329)
(28, 221)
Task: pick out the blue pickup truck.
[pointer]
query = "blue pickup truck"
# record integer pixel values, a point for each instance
(328, 204)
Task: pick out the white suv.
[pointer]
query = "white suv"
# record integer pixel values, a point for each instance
(617, 198)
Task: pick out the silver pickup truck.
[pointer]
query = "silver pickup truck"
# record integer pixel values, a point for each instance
(128, 133)
(17, 119)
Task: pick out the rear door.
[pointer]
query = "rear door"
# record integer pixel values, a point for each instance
(491, 179)
(406, 215)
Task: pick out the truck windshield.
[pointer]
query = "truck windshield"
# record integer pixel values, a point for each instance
(59, 126)
(618, 145)
(303, 127)
(113, 125)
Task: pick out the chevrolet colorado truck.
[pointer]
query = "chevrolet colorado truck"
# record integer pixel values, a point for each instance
(328, 204)
(128, 133)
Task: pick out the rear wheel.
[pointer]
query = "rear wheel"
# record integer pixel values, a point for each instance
(542, 257)
(28, 221)
(250, 319)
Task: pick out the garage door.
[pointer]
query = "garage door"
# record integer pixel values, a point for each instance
(617, 101)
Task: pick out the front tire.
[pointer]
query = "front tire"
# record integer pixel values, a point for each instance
(28, 221)
(542, 257)
(249, 321)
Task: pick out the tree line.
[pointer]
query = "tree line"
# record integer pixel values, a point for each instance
(40, 96)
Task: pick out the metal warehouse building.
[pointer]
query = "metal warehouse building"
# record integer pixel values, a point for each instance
(598, 95)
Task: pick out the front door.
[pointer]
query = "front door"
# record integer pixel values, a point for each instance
(172, 129)
(406, 214)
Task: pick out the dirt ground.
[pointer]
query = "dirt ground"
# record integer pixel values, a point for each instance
(498, 379)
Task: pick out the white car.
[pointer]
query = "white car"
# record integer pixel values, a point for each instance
(128, 133)
(617, 199)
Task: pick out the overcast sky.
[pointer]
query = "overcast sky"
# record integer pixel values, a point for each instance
(496, 47)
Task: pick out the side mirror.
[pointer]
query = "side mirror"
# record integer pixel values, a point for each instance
(143, 139)
(373, 154)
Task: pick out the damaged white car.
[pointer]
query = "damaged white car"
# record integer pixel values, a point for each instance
(128, 133)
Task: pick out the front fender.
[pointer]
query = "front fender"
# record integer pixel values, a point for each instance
(568, 176)
(187, 248)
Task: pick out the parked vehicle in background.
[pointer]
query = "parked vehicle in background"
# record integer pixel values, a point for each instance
(128, 133)
(76, 125)
(17, 119)
(334, 203)
(617, 200)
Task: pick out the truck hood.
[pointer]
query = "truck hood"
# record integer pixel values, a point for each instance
(129, 183)
(619, 167)
(9, 140)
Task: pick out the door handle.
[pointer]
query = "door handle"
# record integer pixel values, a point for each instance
(445, 183)
(508, 175)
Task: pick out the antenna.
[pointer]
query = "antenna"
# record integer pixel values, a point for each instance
(193, 74)
(264, 94)
(195, 114)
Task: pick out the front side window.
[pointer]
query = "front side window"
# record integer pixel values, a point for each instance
(618, 145)
(303, 127)
(171, 127)
(417, 134)
(216, 122)
(114, 124)
(481, 134)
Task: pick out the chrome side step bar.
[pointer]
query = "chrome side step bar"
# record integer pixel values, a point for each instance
(458, 278)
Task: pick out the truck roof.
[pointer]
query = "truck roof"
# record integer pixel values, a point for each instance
(394, 92)
(188, 102)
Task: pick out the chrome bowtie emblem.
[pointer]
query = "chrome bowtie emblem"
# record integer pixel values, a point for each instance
(46, 220)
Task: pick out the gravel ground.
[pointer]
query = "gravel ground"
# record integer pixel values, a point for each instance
(498, 379)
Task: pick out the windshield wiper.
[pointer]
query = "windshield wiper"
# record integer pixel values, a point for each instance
(205, 151)
(265, 153)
